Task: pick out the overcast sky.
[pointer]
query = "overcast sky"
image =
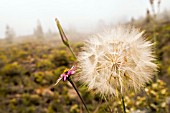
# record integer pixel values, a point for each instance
(22, 15)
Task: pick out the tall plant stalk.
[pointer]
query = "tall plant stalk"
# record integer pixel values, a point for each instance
(66, 43)
(123, 104)
(69, 79)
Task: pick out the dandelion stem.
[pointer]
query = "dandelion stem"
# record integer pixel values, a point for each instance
(69, 79)
(123, 105)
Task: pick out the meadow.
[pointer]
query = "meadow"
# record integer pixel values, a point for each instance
(29, 67)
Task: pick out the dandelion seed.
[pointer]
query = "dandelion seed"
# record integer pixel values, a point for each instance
(116, 61)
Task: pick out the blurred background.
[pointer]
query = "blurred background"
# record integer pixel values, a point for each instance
(32, 55)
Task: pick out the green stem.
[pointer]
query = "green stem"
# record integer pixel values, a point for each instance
(72, 51)
(69, 79)
(154, 38)
(123, 104)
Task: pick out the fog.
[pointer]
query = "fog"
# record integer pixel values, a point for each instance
(84, 16)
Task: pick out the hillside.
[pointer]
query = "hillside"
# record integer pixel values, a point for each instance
(29, 68)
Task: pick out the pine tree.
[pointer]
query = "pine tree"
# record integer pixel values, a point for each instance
(38, 32)
(9, 34)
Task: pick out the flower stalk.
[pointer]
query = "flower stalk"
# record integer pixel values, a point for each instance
(70, 80)
(66, 43)
(72, 52)
(123, 104)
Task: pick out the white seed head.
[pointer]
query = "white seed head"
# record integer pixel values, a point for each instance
(116, 61)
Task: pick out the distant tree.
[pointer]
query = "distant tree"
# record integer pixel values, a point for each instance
(132, 20)
(49, 33)
(9, 34)
(148, 16)
(38, 31)
(153, 4)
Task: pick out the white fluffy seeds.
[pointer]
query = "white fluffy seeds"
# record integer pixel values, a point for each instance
(116, 61)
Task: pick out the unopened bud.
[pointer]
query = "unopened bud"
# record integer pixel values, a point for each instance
(62, 34)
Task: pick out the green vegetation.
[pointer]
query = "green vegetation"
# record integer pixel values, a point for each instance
(28, 69)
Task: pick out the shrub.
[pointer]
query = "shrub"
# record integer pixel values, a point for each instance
(12, 69)
(44, 64)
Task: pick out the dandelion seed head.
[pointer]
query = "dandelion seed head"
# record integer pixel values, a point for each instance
(116, 61)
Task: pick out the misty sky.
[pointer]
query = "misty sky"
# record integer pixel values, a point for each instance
(22, 15)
